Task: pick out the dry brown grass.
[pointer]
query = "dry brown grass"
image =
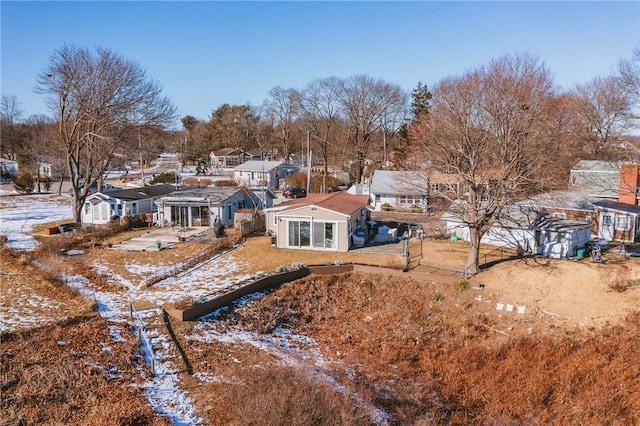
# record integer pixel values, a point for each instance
(21, 281)
(62, 375)
(423, 359)
(425, 351)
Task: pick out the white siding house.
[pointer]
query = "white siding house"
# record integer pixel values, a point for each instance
(398, 190)
(525, 229)
(257, 174)
(202, 207)
(102, 207)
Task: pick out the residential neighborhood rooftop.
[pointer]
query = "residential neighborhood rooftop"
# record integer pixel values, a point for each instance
(398, 182)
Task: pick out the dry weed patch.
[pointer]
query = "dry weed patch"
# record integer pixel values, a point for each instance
(422, 360)
(72, 373)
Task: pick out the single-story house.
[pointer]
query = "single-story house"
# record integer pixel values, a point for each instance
(8, 170)
(529, 229)
(398, 190)
(102, 207)
(230, 157)
(618, 221)
(194, 207)
(270, 174)
(319, 221)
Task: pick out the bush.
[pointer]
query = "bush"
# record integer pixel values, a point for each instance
(24, 183)
(46, 183)
(226, 182)
(299, 180)
(167, 177)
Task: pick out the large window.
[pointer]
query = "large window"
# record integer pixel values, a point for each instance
(622, 223)
(300, 234)
(323, 234)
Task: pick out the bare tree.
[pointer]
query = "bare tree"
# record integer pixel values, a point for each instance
(364, 101)
(320, 113)
(100, 101)
(283, 107)
(11, 138)
(629, 71)
(605, 111)
(487, 127)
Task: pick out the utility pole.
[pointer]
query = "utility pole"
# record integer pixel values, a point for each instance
(141, 163)
(309, 171)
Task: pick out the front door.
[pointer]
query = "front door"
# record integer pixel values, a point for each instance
(606, 227)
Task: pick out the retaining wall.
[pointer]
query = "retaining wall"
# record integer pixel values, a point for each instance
(276, 280)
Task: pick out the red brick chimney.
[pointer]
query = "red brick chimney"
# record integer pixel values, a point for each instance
(628, 184)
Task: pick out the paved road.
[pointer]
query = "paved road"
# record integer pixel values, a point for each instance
(165, 164)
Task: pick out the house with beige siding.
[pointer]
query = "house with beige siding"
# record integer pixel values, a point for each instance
(319, 221)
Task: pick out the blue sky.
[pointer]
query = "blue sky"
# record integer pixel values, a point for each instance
(206, 53)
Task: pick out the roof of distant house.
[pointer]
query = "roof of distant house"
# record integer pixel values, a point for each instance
(258, 166)
(136, 193)
(597, 166)
(614, 205)
(399, 182)
(211, 194)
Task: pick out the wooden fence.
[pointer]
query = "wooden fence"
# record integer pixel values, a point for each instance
(176, 269)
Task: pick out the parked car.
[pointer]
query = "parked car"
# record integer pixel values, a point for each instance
(294, 192)
(106, 187)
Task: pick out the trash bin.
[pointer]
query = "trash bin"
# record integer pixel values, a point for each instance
(580, 252)
(454, 237)
(158, 245)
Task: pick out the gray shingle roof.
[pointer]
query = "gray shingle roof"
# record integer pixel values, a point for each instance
(399, 182)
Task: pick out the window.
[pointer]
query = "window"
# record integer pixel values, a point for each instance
(323, 235)
(435, 187)
(87, 208)
(299, 234)
(606, 220)
(622, 223)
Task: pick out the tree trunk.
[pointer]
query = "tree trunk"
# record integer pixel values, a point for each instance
(77, 209)
(473, 260)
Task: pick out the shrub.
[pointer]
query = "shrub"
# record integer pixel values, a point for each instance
(46, 183)
(24, 183)
(463, 285)
(226, 182)
(167, 177)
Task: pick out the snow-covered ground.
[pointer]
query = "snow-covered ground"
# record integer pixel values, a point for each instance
(19, 214)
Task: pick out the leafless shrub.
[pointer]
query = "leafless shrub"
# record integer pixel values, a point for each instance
(619, 278)
(282, 395)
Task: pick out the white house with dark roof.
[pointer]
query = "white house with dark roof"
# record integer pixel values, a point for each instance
(397, 190)
(102, 207)
(319, 221)
(268, 174)
(202, 207)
